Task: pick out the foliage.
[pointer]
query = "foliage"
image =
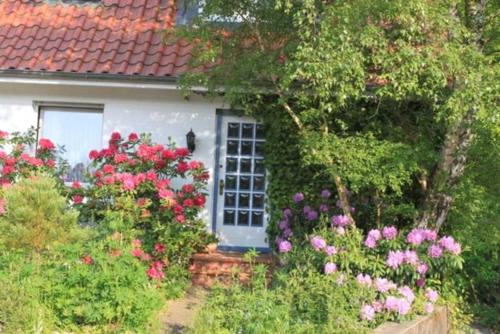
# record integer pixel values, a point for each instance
(150, 188)
(36, 215)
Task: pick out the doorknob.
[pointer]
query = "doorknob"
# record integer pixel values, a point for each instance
(221, 187)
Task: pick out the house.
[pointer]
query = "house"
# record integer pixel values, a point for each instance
(78, 70)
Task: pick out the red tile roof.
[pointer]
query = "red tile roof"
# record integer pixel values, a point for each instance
(122, 37)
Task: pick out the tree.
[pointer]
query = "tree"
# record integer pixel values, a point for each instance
(402, 81)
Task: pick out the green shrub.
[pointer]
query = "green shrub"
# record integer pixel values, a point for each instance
(36, 215)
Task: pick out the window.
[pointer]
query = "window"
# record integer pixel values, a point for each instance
(188, 10)
(78, 130)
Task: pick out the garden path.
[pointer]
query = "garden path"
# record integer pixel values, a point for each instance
(181, 312)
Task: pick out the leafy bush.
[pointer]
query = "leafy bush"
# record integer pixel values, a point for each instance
(156, 190)
(35, 215)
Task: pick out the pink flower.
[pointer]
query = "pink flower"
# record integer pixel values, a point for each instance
(180, 218)
(77, 199)
(46, 145)
(137, 252)
(378, 306)
(395, 259)
(401, 305)
(389, 232)
(374, 234)
(182, 152)
(284, 246)
(283, 224)
(431, 295)
(435, 251)
(159, 248)
(76, 185)
(87, 259)
(155, 271)
(128, 184)
(3, 134)
(364, 279)
(330, 268)
(330, 250)
(367, 312)
(407, 293)
(136, 243)
(422, 268)
(318, 243)
(383, 285)
(411, 257)
(120, 157)
(370, 242)
(340, 220)
(449, 244)
(133, 137)
(429, 308)
(415, 237)
(429, 235)
(93, 155)
(2, 206)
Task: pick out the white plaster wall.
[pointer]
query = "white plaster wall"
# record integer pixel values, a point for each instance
(160, 112)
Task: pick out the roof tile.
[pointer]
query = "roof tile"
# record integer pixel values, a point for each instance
(116, 37)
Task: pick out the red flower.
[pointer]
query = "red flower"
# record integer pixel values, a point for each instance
(108, 169)
(199, 200)
(87, 259)
(161, 184)
(195, 165)
(168, 155)
(136, 252)
(133, 137)
(159, 248)
(46, 145)
(188, 188)
(93, 155)
(119, 158)
(115, 136)
(109, 179)
(151, 176)
(182, 152)
(155, 271)
(166, 194)
(8, 170)
(77, 199)
(50, 163)
(188, 203)
(3, 134)
(178, 209)
(180, 218)
(182, 167)
(76, 185)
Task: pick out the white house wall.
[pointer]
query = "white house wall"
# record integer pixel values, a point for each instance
(162, 113)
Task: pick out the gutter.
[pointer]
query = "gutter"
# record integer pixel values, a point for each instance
(93, 80)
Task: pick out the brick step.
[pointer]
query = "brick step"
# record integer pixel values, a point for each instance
(208, 268)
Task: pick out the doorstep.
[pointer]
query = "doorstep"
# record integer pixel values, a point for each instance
(434, 323)
(224, 267)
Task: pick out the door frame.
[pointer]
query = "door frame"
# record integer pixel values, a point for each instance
(219, 115)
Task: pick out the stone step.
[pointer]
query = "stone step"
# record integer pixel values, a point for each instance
(208, 268)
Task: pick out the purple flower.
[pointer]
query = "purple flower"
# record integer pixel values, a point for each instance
(284, 224)
(420, 282)
(370, 243)
(415, 237)
(312, 215)
(435, 251)
(422, 268)
(284, 246)
(287, 213)
(340, 220)
(375, 234)
(287, 233)
(401, 305)
(352, 209)
(450, 245)
(389, 232)
(364, 279)
(298, 197)
(391, 303)
(431, 295)
(330, 250)
(411, 257)
(395, 259)
(429, 235)
(318, 243)
(330, 268)
(367, 312)
(407, 293)
(326, 193)
(323, 208)
(429, 308)
(383, 285)
(306, 209)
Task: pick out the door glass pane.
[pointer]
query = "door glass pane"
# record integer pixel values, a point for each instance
(258, 183)
(245, 182)
(247, 130)
(245, 165)
(258, 201)
(232, 165)
(233, 130)
(228, 217)
(230, 182)
(259, 149)
(232, 147)
(259, 131)
(79, 131)
(230, 200)
(259, 166)
(242, 217)
(244, 201)
(257, 218)
(246, 147)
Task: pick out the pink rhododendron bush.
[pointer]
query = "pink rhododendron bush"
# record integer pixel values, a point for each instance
(402, 271)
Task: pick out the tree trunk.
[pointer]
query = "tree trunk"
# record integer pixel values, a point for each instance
(438, 199)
